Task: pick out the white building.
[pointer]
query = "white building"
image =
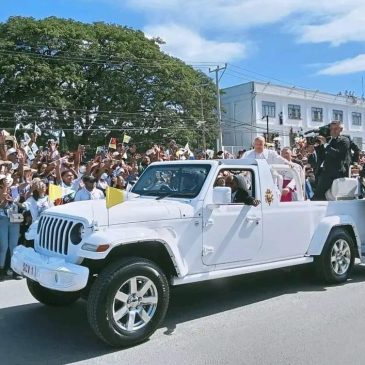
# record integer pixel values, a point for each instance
(246, 106)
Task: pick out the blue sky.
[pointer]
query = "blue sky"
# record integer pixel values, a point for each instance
(314, 44)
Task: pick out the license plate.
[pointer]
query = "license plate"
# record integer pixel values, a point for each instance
(29, 270)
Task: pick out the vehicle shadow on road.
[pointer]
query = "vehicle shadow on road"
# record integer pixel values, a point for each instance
(198, 300)
(35, 334)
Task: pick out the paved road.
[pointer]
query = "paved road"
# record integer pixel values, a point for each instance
(277, 317)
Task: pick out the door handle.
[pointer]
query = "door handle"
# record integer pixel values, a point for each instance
(252, 218)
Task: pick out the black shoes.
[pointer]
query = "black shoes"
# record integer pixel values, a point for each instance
(10, 274)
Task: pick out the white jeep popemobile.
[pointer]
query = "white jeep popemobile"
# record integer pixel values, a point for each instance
(177, 227)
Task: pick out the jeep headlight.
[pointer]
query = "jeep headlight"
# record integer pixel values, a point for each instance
(77, 233)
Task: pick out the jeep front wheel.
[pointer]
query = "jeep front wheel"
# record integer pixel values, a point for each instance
(128, 301)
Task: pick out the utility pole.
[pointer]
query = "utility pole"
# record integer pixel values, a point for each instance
(201, 123)
(267, 127)
(219, 111)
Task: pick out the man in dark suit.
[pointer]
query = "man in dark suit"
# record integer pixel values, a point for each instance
(239, 193)
(336, 160)
(316, 155)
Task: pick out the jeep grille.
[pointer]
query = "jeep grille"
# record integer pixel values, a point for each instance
(53, 234)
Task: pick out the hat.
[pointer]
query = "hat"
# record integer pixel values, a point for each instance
(10, 151)
(336, 122)
(27, 168)
(103, 176)
(8, 180)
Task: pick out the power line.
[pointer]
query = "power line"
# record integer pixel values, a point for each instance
(294, 89)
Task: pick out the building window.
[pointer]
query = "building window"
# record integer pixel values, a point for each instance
(294, 111)
(356, 118)
(358, 141)
(317, 114)
(337, 115)
(268, 108)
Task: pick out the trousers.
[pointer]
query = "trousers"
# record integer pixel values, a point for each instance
(9, 236)
(324, 183)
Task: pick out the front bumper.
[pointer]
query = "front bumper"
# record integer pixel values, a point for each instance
(51, 272)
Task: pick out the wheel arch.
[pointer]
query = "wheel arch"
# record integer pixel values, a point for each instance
(156, 251)
(326, 227)
(149, 243)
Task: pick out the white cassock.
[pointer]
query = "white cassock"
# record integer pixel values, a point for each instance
(270, 156)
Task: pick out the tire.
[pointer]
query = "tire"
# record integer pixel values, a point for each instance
(335, 268)
(50, 297)
(128, 301)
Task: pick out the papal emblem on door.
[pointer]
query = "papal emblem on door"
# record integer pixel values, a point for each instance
(269, 196)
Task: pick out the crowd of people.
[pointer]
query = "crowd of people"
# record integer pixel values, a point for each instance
(27, 170)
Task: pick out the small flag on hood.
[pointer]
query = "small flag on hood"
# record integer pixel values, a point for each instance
(113, 197)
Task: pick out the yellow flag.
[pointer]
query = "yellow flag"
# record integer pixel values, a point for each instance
(54, 192)
(126, 138)
(113, 197)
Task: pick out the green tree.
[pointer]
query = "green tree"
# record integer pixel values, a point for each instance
(97, 80)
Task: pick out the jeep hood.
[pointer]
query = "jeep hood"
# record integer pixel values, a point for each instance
(130, 211)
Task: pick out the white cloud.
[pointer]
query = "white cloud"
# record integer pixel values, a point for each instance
(222, 14)
(244, 14)
(334, 22)
(348, 26)
(347, 66)
(191, 46)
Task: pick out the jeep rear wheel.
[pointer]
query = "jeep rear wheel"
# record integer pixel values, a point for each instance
(128, 301)
(337, 258)
(51, 297)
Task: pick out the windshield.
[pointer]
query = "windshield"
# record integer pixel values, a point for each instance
(172, 180)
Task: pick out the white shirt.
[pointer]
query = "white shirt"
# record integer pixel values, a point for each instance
(272, 157)
(71, 189)
(85, 194)
(36, 207)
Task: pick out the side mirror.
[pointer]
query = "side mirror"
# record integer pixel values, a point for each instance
(222, 195)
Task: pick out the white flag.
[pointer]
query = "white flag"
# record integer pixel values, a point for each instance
(29, 153)
(37, 129)
(187, 148)
(27, 138)
(34, 148)
(27, 126)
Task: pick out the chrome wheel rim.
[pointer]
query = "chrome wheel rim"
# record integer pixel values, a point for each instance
(340, 257)
(135, 303)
